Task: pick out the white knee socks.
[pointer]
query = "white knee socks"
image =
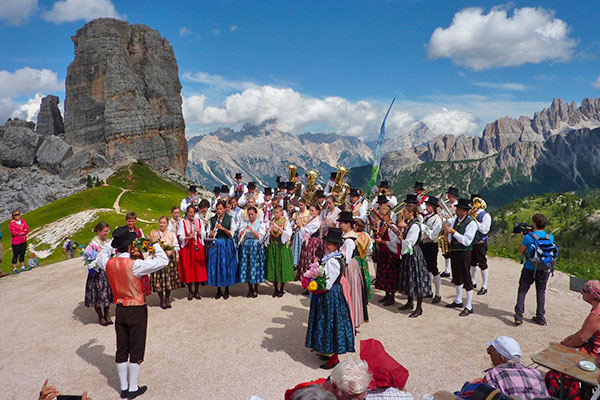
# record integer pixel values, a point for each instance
(447, 270)
(437, 281)
(459, 294)
(474, 275)
(122, 370)
(485, 273)
(469, 304)
(134, 374)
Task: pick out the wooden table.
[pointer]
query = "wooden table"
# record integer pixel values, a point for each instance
(565, 359)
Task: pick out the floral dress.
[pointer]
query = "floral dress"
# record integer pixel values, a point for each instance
(97, 289)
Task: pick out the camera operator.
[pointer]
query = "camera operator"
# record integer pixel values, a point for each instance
(529, 274)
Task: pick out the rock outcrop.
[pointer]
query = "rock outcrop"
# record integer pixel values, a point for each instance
(52, 152)
(123, 96)
(49, 121)
(18, 146)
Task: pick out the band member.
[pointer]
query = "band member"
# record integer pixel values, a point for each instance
(222, 262)
(166, 279)
(215, 197)
(132, 314)
(224, 194)
(238, 189)
(237, 213)
(251, 202)
(267, 206)
(252, 192)
(383, 200)
(204, 213)
(452, 197)
(300, 219)
(387, 276)
(332, 213)
(330, 184)
(429, 244)
(192, 262)
(281, 189)
(280, 266)
(358, 205)
(175, 219)
(190, 197)
(252, 252)
(353, 273)
(419, 190)
(330, 330)
(483, 220)
(414, 277)
(291, 196)
(312, 244)
(461, 230)
(384, 189)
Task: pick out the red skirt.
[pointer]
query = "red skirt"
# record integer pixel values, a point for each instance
(388, 273)
(192, 264)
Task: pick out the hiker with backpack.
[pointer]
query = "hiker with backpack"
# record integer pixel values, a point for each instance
(540, 253)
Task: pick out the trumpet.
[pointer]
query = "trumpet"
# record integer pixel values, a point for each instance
(399, 207)
(478, 204)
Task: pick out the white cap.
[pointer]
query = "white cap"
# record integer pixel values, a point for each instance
(507, 347)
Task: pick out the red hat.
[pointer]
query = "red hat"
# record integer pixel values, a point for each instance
(386, 371)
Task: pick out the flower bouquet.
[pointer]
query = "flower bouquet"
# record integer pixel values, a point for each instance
(314, 279)
(141, 246)
(89, 256)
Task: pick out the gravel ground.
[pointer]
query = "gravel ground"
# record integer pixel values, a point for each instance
(216, 349)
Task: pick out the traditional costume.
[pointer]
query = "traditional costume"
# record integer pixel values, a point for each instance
(192, 263)
(421, 197)
(330, 184)
(300, 220)
(189, 199)
(97, 289)
(215, 197)
(167, 278)
(359, 209)
(330, 330)
(174, 225)
(238, 189)
(480, 248)
(312, 245)
(131, 314)
(460, 257)
(452, 191)
(429, 245)
(280, 265)
(252, 253)
(364, 246)
(222, 261)
(387, 276)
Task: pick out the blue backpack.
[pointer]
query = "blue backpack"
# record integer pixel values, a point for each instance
(542, 253)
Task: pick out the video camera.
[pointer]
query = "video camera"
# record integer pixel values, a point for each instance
(522, 227)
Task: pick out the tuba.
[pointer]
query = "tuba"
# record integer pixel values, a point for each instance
(293, 174)
(478, 204)
(309, 193)
(342, 189)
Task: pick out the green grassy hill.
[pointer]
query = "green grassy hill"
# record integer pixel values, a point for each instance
(148, 194)
(574, 220)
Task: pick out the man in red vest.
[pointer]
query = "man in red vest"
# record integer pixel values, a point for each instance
(131, 315)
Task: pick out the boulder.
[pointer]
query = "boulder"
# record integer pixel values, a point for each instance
(99, 161)
(18, 146)
(19, 122)
(52, 152)
(50, 122)
(78, 163)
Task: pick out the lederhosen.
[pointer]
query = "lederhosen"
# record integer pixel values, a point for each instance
(430, 251)
(480, 247)
(460, 256)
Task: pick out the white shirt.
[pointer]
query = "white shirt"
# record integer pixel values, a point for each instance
(311, 227)
(328, 186)
(258, 226)
(258, 196)
(332, 271)
(393, 241)
(232, 189)
(332, 216)
(186, 224)
(485, 224)
(185, 203)
(434, 223)
(287, 232)
(363, 209)
(348, 249)
(174, 226)
(411, 237)
(140, 267)
(392, 202)
(470, 232)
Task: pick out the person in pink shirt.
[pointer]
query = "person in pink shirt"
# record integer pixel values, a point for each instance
(19, 230)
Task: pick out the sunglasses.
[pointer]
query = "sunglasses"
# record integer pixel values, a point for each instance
(17, 214)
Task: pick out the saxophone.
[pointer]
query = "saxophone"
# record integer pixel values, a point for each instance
(445, 214)
(340, 187)
(309, 193)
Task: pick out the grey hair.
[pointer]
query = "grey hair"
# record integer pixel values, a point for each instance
(352, 376)
(313, 392)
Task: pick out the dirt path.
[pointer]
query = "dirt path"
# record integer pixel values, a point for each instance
(116, 206)
(216, 349)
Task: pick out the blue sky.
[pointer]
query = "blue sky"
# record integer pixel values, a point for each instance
(329, 65)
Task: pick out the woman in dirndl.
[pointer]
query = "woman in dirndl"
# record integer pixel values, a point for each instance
(414, 275)
(98, 293)
(280, 266)
(222, 256)
(312, 244)
(364, 246)
(252, 252)
(192, 262)
(387, 275)
(330, 330)
(166, 279)
(300, 218)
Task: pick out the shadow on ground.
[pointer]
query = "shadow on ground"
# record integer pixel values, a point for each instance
(95, 356)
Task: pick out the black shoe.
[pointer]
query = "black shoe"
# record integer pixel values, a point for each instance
(474, 286)
(389, 301)
(249, 295)
(454, 305)
(482, 291)
(281, 293)
(436, 300)
(190, 296)
(465, 312)
(407, 306)
(327, 366)
(539, 320)
(416, 313)
(163, 306)
(124, 393)
(518, 322)
(197, 296)
(445, 275)
(218, 295)
(275, 293)
(109, 322)
(169, 305)
(254, 295)
(226, 295)
(324, 358)
(141, 390)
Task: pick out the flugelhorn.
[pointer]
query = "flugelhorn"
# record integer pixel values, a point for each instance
(478, 204)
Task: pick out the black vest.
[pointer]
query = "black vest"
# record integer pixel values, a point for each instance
(460, 228)
(226, 224)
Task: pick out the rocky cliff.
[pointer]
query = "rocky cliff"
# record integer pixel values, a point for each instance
(262, 152)
(123, 96)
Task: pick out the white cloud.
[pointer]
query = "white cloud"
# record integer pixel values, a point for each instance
(596, 83)
(7, 106)
(503, 86)
(233, 28)
(27, 81)
(480, 41)
(451, 122)
(15, 12)
(29, 111)
(183, 31)
(74, 10)
(217, 82)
